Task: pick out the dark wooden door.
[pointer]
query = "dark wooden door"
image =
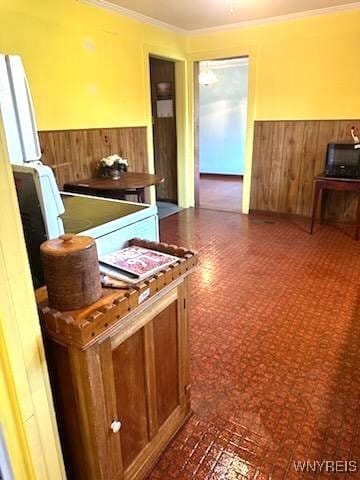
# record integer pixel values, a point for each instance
(162, 74)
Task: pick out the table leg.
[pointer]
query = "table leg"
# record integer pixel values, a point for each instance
(141, 195)
(323, 203)
(317, 195)
(357, 231)
(119, 195)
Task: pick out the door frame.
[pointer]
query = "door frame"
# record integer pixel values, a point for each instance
(196, 71)
(181, 95)
(222, 54)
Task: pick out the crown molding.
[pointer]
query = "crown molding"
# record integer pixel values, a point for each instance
(104, 4)
(278, 19)
(107, 5)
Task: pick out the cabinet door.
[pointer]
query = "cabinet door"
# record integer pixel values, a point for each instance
(129, 366)
(149, 381)
(165, 328)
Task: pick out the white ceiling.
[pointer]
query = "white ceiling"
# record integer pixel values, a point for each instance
(202, 14)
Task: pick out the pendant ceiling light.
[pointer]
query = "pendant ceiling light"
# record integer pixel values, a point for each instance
(207, 77)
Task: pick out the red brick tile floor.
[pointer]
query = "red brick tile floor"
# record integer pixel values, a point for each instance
(275, 345)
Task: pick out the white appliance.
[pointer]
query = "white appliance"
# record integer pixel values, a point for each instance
(17, 111)
(5, 466)
(47, 213)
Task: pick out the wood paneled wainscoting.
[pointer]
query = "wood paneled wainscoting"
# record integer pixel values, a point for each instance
(286, 157)
(74, 154)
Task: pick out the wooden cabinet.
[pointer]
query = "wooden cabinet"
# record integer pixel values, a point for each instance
(121, 386)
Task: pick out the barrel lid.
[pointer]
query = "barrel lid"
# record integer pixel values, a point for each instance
(67, 244)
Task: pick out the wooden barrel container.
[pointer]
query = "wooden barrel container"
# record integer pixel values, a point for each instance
(71, 271)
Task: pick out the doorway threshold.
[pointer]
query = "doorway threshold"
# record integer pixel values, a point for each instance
(165, 209)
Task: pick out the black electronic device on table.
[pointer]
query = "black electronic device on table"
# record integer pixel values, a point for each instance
(343, 160)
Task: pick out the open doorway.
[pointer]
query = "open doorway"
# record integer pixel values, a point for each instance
(221, 120)
(163, 104)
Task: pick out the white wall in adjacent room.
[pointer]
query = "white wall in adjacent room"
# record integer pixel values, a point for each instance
(223, 110)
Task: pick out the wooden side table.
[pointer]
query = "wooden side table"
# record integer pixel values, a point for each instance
(321, 183)
(130, 183)
(119, 371)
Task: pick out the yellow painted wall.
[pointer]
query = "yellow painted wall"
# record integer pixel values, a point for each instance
(300, 69)
(306, 68)
(85, 65)
(11, 422)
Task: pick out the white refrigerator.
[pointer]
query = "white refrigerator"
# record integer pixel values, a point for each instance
(17, 111)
